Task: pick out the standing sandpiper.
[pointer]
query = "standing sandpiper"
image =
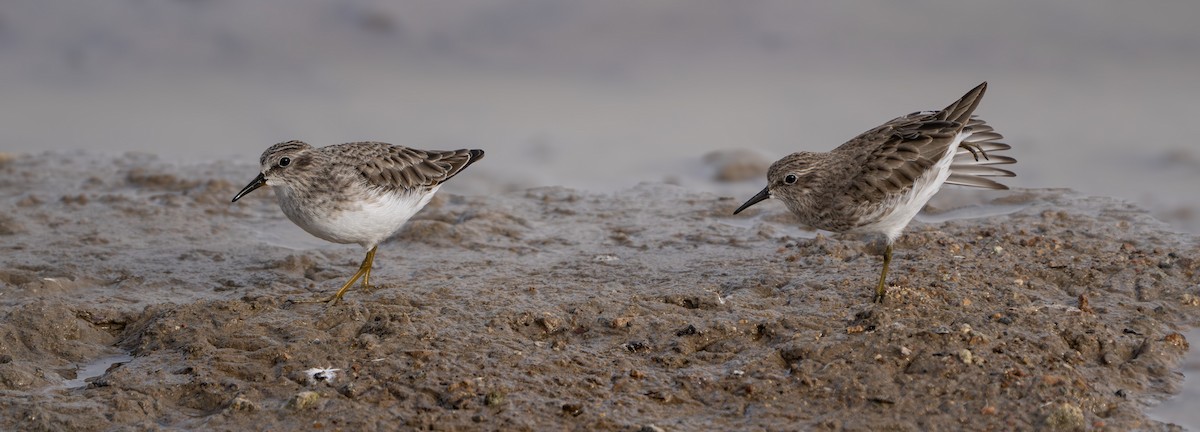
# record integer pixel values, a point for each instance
(876, 182)
(359, 192)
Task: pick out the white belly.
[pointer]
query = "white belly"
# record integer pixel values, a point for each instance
(371, 222)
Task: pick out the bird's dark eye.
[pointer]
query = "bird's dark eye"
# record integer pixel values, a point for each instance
(285, 162)
(790, 179)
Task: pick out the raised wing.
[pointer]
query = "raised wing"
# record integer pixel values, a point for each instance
(894, 155)
(901, 151)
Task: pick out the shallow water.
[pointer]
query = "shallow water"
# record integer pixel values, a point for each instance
(1181, 408)
(93, 370)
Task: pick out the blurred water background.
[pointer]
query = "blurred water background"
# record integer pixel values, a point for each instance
(1097, 95)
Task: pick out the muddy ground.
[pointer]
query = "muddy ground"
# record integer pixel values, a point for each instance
(134, 295)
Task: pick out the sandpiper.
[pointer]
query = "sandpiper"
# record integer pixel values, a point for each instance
(876, 182)
(360, 192)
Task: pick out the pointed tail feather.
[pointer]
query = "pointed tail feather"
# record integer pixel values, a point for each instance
(960, 111)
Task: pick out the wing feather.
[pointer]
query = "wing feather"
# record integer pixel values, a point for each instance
(896, 154)
(394, 167)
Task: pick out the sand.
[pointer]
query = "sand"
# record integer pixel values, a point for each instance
(136, 296)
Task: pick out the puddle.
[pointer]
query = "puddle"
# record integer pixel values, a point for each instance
(93, 370)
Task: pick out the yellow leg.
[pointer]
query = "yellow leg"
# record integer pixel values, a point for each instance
(366, 285)
(882, 288)
(364, 271)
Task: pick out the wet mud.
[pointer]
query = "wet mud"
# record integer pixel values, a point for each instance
(134, 295)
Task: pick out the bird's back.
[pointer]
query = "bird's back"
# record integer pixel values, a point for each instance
(892, 170)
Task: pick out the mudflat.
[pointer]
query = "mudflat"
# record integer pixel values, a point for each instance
(135, 295)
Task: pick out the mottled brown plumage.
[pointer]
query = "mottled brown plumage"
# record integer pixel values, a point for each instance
(876, 182)
(402, 168)
(359, 192)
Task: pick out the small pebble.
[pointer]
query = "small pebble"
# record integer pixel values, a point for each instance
(965, 355)
(493, 398)
(303, 400)
(1065, 417)
(1176, 340)
(240, 403)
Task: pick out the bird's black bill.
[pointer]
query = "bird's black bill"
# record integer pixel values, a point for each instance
(766, 193)
(254, 184)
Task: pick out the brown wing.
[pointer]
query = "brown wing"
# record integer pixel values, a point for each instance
(894, 155)
(402, 168)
